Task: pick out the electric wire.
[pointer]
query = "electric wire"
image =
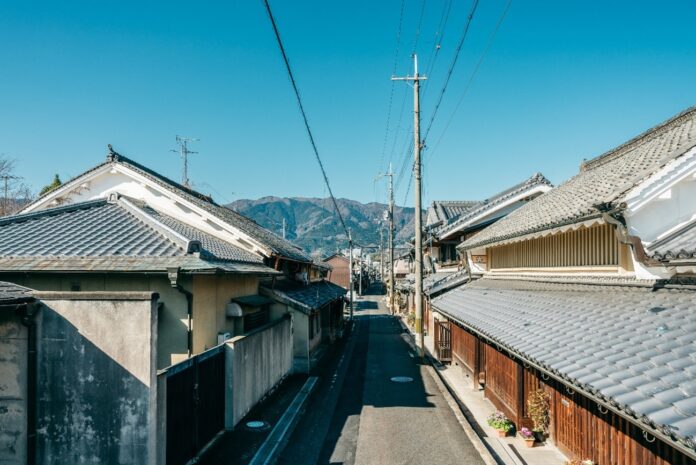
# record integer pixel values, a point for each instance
(304, 114)
(439, 35)
(457, 51)
(391, 91)
(472, 76)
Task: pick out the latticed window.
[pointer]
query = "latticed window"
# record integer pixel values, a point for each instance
(593, 246)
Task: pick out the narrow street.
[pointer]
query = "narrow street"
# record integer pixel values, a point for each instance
(358, 415)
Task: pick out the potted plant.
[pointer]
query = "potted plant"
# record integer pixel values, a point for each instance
(528, 436)
(538, 406)
(500, 423)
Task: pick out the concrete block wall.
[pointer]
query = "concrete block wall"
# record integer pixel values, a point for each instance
(255, 363)
(97, 378)
(13, 389)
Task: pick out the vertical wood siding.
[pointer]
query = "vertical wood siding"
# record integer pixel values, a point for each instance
(577, 426)
(502, 383)
(593, 246)
(464, 348)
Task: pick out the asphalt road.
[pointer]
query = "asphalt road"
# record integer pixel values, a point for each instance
(359, 416)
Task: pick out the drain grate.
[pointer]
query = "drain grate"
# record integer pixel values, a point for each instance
(402, 379)
(258, 425)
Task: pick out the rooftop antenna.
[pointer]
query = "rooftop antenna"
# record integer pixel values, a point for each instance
(184, 152)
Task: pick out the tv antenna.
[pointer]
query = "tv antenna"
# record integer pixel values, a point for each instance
(184, 152)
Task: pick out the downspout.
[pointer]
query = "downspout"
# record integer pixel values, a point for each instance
(614, 216)
(173, 275)
(27, 312)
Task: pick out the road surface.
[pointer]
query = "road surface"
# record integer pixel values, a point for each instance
(358, 415)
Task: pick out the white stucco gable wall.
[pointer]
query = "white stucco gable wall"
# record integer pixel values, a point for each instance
(665, 201)
(116, 178)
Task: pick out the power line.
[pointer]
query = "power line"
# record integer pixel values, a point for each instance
(473, 74)
(439, 34)
(304, 115)
(465, 32)
(391, 92)
(451, 68)
(420, 22)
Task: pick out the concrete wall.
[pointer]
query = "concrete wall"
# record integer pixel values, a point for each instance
(173, 315)
(300, 341)
(96, 378)
(255, 363)
(13, 388)
(211, 294)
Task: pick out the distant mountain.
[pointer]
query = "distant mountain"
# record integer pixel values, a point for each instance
(313, 225)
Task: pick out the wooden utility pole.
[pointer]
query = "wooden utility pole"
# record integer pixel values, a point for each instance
(381, 253)
(360, 261)
(417, 146)
(390, 214)
(350, 272)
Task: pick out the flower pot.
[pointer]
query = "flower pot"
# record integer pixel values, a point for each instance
(539, 436)
(529, 442)
(501, 433)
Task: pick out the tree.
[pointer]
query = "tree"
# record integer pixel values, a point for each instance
(54, 184)
(15, 194)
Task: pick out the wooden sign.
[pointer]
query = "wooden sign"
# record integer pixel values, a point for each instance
(479, 259)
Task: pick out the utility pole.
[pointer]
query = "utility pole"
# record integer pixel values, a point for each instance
(184, 152)
(390, 214)
(360, 278)
(381, 253)
(350, 272)
(5, 199)
(283, 228)
(417, 146)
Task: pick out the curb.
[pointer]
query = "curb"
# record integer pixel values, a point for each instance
(476, 440)
(274, 443)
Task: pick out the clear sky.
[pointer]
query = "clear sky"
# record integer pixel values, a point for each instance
(562, 81)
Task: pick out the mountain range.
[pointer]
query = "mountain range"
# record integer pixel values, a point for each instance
(312, 223)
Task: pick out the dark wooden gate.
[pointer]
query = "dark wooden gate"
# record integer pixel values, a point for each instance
(195, 404)
(443, 340)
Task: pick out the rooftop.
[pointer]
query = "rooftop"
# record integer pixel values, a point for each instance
(632, 347)
(306, 298)
(474, 215)
(276, 244)
(441, 211)
(603, 180)
(12, 294)
(114, 235)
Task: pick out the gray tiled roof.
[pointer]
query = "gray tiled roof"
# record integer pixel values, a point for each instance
(470, 217)
(11, 294)
(604, 179)
(275, 243)
(108, 235)
(633, 347)
(441, 211)
(444, 283)
(96, 228)
(305, 298)
(212, 246)
(679, 245)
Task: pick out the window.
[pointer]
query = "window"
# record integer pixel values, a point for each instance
(256, 319)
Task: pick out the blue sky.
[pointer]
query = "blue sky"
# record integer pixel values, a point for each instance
(562, 81)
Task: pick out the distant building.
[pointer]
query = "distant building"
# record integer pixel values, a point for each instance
(340, 270)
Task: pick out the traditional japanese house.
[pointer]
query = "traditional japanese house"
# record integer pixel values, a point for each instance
(588, 296)
(450, 223)
(458, 224)
(317, 310)
(122, 226)
(339, 273)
